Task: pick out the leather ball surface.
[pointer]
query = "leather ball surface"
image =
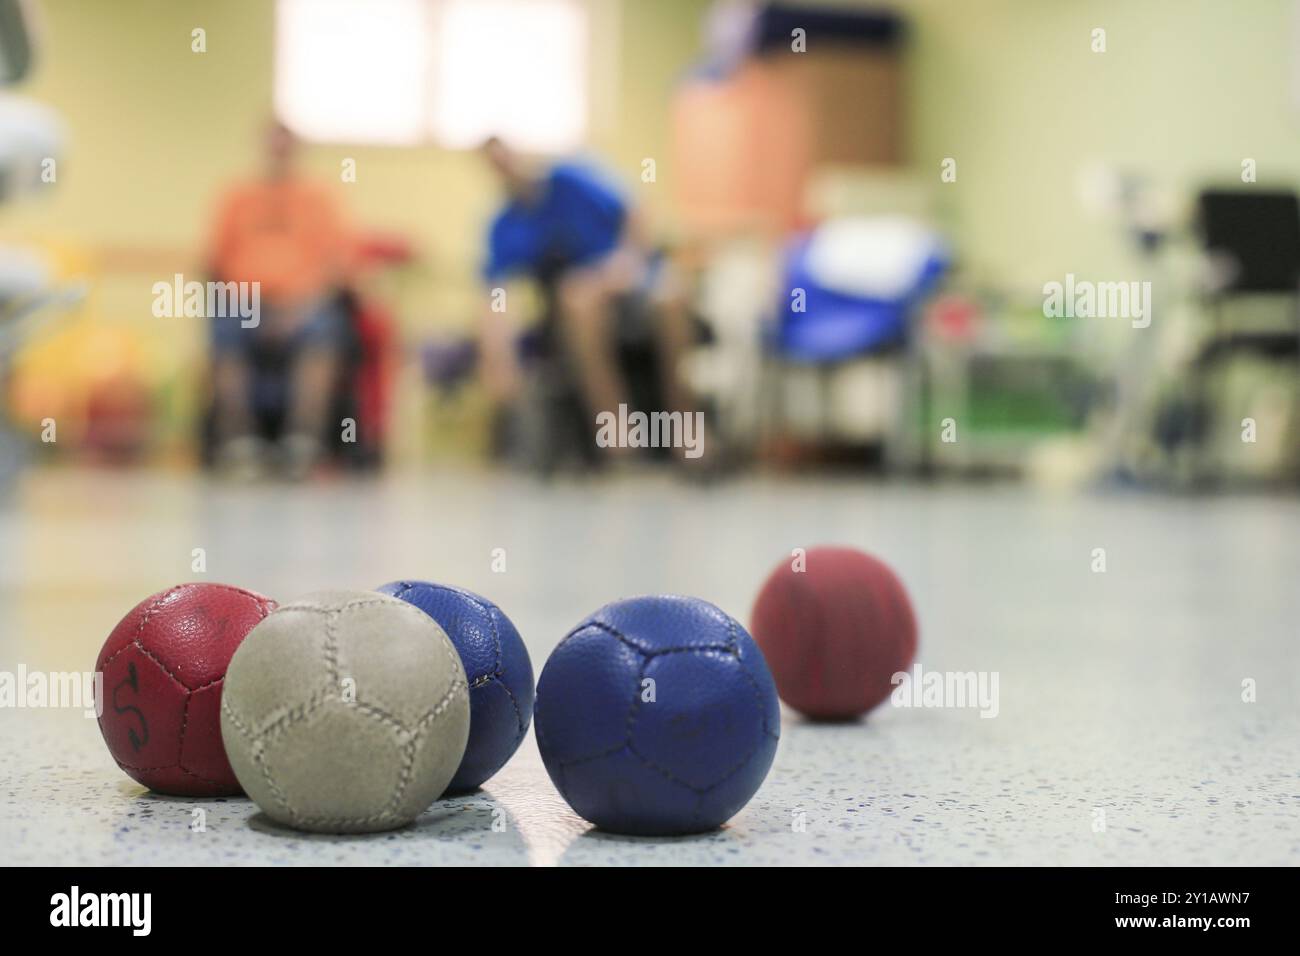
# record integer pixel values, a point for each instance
(657, 716)
(835, 632)
(164, 668)
(345, 712)
(497, 667)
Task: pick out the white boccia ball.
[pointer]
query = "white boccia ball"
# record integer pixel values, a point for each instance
(345, 712)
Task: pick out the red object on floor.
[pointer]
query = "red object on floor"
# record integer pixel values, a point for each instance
(376, 330)
(163, 668)
(119, 420)
(835, 632)
(377, 371)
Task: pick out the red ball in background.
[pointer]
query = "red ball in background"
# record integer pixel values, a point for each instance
(163, 666)
(835, 632)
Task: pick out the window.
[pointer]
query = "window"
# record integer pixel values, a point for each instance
(404, 72)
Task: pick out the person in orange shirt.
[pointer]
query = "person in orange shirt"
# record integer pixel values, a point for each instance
(285, 234)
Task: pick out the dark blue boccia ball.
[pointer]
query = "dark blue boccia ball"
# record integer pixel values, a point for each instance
(498, 669)
(657, 716)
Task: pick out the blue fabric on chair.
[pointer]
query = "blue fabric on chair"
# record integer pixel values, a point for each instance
(836, 325)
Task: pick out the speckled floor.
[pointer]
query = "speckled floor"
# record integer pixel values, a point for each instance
(1120, 692)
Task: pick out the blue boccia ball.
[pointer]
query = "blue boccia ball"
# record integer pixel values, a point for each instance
(657, 716)
(498, 669)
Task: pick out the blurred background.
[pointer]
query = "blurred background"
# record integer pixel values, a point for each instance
(861, 205)
(1001, 291)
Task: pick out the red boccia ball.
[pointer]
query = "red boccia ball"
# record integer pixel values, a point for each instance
(163, 666)
(835, 632)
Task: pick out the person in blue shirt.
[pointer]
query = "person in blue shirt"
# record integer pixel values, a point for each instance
(572, 229)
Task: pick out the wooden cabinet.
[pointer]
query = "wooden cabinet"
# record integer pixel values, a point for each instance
(746, 143)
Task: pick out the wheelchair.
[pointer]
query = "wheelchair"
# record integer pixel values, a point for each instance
(549, 430)
(359, 392)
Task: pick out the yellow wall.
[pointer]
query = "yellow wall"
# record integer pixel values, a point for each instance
(157, 129)
(1012, 90)
(1009, 88)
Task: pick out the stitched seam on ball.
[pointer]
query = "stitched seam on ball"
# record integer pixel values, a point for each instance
(665, 771)
(208, 684)
(185, 722)
(453, 658)
(389, 813)
(380, 600)
(193, 773)
(575, 632)
(185, 713)
(636, 706)
(229, 587)
(295, 714)
(636, 697)
(331, 649)
(692, 649)
(153, 657)
(144, 618)
(641, 649)
(733, 771)
(229, 711)
(384, 716)
(259, 757)
(262, 605)
(762, 704)
(453, 655)
(290, 717)
(117, 653)
(382, 817)
(604, 753)
(403, 776)
(139, 629)
(519, 714)
(736, 769)
(136, 640)
(496, 636)
(701, 791)
(457, 686)
(258, 749)
(496, 639)
(185, 770)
